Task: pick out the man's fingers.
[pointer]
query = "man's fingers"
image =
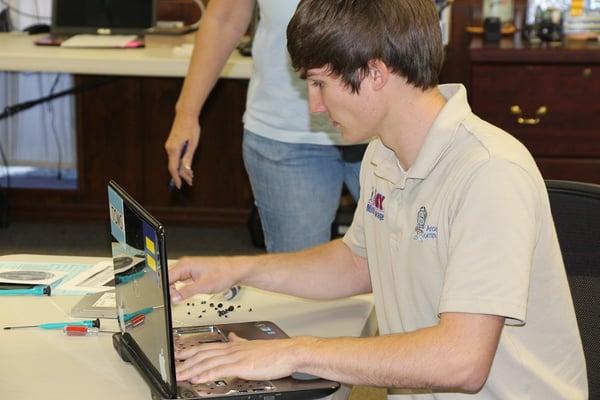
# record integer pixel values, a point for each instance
(209, 369)
(188, 291)
(201, 357)
(179, 271)
(176, 297)
(215, 373)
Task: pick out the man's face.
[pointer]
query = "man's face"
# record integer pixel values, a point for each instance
(353, 114)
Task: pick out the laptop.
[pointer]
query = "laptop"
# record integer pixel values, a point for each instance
(98, 17)
(147, 338)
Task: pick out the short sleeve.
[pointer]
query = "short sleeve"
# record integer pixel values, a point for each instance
(494, 228)
(355, 236)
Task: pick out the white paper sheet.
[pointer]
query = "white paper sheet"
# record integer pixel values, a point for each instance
(96, 41)
(93, 279)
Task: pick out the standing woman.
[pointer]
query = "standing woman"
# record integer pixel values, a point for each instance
(296, 162)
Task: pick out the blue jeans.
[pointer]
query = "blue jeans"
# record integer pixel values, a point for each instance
(297, 189)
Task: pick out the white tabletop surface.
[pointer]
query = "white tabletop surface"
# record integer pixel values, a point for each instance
(47, 364)
(19, 53)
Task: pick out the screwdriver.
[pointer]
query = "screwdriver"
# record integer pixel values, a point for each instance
(22, 290)
(229, 294)
(76, 330)
(143, 311)
(95, 323)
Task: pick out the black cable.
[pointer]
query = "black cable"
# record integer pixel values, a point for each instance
(4, 193)
(17, 108)
(6, 166)
(54, 131)
(23, 13)
(37, 10)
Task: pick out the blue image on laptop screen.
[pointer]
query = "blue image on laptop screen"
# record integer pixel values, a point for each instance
(138, 264)
(87, 16)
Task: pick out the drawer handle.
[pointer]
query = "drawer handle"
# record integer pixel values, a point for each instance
(540, 112)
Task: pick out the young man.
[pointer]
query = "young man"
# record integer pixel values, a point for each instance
(452, 234)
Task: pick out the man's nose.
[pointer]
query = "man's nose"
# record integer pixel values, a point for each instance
(315, 101)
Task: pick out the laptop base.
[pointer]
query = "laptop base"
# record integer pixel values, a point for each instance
(226, 388)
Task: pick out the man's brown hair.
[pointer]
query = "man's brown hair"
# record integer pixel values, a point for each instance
(345, 35)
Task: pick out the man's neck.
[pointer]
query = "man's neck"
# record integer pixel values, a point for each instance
(410, 115)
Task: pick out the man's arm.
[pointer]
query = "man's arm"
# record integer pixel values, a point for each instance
(456, 354)
(327, 271)
(220, 31)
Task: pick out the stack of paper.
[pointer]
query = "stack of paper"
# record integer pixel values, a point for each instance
(102, 41)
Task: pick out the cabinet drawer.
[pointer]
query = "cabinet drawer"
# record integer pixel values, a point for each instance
(570, 95)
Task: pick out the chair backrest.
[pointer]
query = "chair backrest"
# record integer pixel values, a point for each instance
(576, 211)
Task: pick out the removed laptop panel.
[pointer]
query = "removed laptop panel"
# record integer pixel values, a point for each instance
(147, 338)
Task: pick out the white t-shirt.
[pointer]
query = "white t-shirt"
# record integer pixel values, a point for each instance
(468, 229)
(277, 103)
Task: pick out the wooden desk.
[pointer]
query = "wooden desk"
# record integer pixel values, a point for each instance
(122, 127)
(19, 53)
(546, 96)
(47, 364)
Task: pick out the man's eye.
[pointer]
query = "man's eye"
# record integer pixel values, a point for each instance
(317, 84)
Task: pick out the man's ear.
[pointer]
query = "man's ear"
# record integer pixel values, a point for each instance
(379, 74)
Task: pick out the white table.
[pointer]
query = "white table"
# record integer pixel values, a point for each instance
(46, 364)
(19, 53)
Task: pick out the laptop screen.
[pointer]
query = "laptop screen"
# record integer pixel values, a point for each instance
(143, 308)
(103, 16)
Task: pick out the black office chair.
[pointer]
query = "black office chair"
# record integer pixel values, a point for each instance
(576, 211)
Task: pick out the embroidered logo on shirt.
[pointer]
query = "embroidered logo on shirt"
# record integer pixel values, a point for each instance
(422, 230)
(375, 204)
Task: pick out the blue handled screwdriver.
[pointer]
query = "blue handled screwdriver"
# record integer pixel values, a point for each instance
(143, 311)
(92, 323)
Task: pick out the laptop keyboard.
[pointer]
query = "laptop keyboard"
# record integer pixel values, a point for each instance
(220, 388)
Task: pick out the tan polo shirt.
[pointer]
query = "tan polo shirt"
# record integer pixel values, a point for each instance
(468, 229)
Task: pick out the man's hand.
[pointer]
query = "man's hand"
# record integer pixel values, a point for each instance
(185, 129)
(251, 360)
(202, 275)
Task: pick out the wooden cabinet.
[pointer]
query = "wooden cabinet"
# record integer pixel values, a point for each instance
(121, 129)
(122, 124)
(547, 97)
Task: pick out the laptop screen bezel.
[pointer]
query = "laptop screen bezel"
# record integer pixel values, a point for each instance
(107, 30)
(170, 387)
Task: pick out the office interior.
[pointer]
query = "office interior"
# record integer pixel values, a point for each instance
(536, 90)
(538, 79)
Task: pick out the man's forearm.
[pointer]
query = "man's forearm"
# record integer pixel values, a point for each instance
(454, 355)
(327, 271)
